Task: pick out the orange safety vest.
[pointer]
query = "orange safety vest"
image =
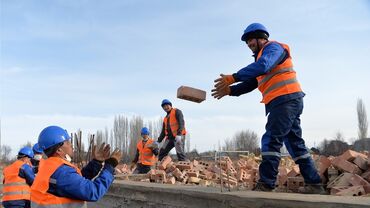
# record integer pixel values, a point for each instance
(174, 125)
(146, 156)
(15, 187)
(281, 80)
(40, 198)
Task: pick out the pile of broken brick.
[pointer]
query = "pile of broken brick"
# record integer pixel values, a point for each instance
(345, 175)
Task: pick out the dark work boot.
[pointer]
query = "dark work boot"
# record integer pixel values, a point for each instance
(262, 187)
(312, 189)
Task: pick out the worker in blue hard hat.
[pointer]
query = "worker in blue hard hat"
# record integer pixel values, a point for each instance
(18, 177)
(37, 151)
(146, 151)
(173, 132)
(59, 183)
(273, 74)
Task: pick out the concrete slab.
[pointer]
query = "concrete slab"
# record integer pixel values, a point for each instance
(139, 194)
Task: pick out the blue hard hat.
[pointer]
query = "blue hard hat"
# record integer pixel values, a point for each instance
(255, 30)
(36, 149)
(26, 151)
(145, 131)
(166, 102)
(51, 136)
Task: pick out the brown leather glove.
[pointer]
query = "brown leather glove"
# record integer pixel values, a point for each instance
(218, 93)
(115, 158)
(224, 81)
(101, 152)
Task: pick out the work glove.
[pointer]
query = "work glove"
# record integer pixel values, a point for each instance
(115, 158)
(153, 145)
(178, 139)
(101, 152)
(224, 81)
(218, 93)
(132, 166)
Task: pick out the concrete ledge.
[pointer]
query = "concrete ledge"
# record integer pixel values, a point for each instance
(138, 194)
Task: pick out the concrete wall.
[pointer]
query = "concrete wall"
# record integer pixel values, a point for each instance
(135, 194)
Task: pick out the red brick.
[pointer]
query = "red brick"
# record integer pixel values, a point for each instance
(367, 189)
(366, 176)
(207, 174)
(282, 176)
(350, 155)
(294, 172)
(183, 165)
(324, 164)
(336, 189)
(341, 181)
(294, 183)
(192, 173)
(356, 180)
(191, 94)
(171, 180)
(195, 163)
(160, 176)
(346, 166)
(352, 191)
(165, 161)
(361, 162)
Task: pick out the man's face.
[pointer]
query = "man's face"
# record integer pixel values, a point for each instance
(67, 148)
(167, 108)
(253, 45)
(145, 137)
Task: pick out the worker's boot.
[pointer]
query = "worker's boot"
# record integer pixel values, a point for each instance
(262, 187)
(312, 189)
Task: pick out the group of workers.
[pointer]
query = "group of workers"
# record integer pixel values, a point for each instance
(32, 181)
(56, 181)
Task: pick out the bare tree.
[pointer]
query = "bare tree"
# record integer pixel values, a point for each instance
(5, 154)
(362, 119)
(242, 141)
(136, 123)
(339, 136)
(187, 143)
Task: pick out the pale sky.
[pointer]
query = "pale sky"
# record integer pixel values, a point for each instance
(77, 64)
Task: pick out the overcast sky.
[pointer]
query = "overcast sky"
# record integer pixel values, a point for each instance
(77, 64)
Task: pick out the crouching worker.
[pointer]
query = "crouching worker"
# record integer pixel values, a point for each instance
(18, 177)
(146, 152)
(61, 184)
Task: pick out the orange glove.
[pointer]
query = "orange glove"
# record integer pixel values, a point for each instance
(218, 93)
(225, 80)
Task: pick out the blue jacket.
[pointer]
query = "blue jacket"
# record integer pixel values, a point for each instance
(272, 55)
(27, 173)
(68, 183)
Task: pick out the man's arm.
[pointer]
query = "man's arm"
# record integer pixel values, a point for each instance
(271, 56)
(68, 183)
(243, 87)
(91, 169)
(162, 135)
(27, 173)
(136, 156)
(180, 121)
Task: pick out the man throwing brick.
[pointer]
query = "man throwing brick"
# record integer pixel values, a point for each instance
(273, 74)
(173, 132)
(146, 151)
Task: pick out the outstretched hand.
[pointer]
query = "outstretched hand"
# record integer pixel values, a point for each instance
(101, 152)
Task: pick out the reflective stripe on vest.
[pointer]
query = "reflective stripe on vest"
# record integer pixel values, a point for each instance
(39, 195)
(281, 80)
(146, 156)
(15, 187)
(174, 125)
